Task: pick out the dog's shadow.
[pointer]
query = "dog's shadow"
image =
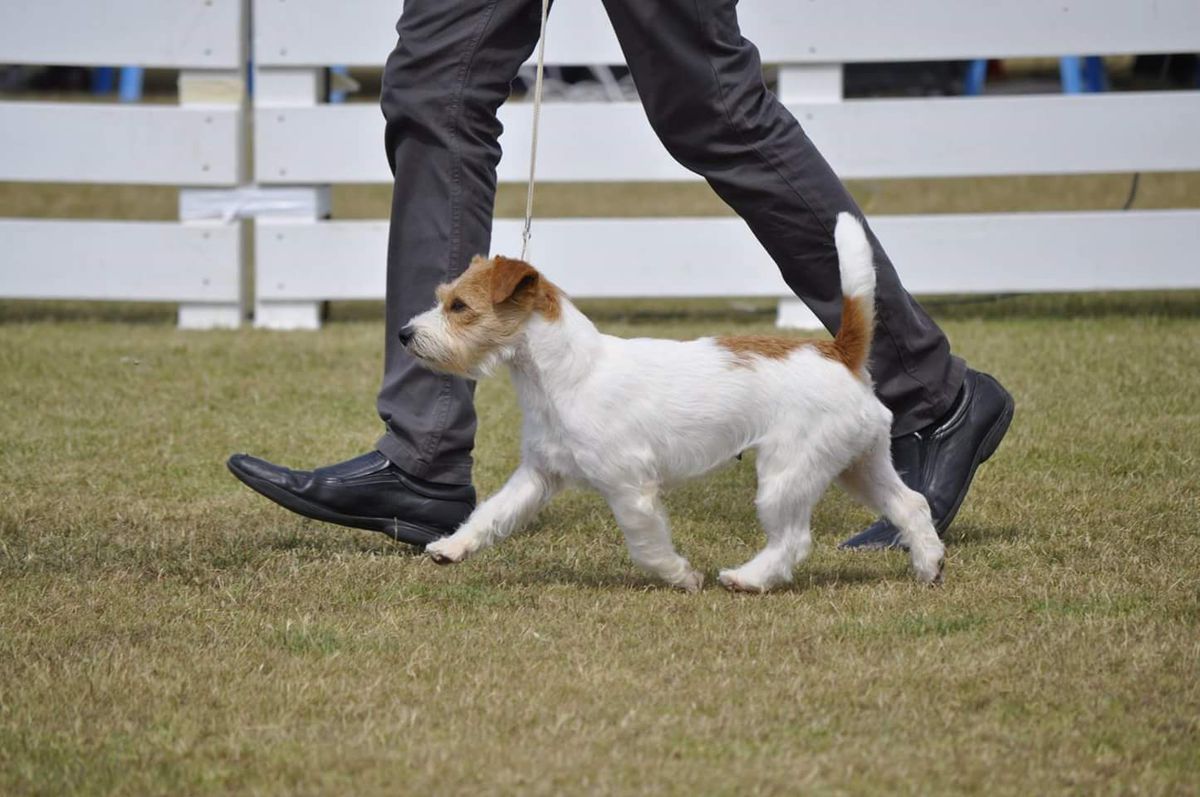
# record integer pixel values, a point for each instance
(615, 577)
(562, 574)
(314, 540)
(976, 534)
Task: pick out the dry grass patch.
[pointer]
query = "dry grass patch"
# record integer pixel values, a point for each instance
(162, 629)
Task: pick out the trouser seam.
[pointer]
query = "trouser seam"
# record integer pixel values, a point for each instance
(769, 163)
(456, 108)
(741, 135)
(411, 463)
(883, 314)
(453, 254)
(443, 402)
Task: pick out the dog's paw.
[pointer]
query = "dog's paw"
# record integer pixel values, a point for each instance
(691, 582)
(447, 551)
(734, 581)
(930, 566)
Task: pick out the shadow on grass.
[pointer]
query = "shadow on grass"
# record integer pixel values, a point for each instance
(833, 577)
(983, 307)
(1049, 306)
(1064, 306)
(331, 539)
(752, 310)
(973, 534)
(555, 574)
(31, 311)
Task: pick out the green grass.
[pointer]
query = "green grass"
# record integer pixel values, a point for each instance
(164, 630)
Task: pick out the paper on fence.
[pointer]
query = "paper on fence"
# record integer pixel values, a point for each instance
(249, 201)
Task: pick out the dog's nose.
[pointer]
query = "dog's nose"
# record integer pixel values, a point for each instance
(406, 334)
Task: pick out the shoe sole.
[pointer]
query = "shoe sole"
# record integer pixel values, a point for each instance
(990, 443)
(398, 530)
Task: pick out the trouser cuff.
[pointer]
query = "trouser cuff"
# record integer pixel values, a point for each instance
(936, 405)
(406, 460)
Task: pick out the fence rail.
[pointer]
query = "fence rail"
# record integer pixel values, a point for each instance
(940, 137)
(125, 260)
(148, 145)
(198, 145)
(1007, 252)
(181, 34)
(362, 32)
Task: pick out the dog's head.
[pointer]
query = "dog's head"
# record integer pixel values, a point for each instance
(479, 317)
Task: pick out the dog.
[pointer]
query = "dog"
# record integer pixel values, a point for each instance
(630, 417)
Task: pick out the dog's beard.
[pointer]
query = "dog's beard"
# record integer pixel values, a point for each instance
(431, 355)
(490, 362)
(443, 360)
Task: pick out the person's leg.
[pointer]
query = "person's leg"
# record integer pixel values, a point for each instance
(442, 86)
(702, 86)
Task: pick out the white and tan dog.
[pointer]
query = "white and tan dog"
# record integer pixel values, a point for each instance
(630, 417)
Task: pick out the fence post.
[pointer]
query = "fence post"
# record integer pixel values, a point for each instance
(275, 91)
(808, 83)
(214, 89)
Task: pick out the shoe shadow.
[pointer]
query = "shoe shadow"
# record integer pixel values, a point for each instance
(564, 575)
(325, 540)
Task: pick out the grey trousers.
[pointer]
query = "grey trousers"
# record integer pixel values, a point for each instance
(702, 88)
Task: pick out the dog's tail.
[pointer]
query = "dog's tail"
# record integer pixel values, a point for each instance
(857, 263)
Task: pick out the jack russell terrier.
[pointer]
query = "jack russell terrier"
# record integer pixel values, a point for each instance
(631, 417)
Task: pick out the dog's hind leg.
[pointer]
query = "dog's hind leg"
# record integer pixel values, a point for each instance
(642, 519)
(874, 481)
(525, 492)
(789, 485)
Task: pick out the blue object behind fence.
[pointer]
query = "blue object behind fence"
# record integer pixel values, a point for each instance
(130, 88)
(1079, 75)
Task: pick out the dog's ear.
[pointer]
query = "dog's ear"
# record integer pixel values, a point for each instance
(511, 279)
(477, 260)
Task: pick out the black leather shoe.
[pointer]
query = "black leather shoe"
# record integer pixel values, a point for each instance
(366, 492)
(939, 461)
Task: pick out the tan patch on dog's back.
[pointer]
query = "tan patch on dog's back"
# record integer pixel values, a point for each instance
(747, 347)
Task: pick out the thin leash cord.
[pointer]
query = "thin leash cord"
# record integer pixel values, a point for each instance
(533, 140)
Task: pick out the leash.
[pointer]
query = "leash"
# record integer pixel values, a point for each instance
(533, 139)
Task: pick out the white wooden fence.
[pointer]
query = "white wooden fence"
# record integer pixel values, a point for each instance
(302, 145)
(198, 144)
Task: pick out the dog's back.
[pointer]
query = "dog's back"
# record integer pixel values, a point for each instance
(852, 343)
(679, 409)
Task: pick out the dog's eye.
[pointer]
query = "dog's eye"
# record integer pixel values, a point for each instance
(458, 306)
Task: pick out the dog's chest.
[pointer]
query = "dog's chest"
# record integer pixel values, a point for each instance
(553, 451)
(546, 439)
(560, 459)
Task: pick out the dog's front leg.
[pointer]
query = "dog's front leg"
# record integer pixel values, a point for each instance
(525, 492)
(648, 537)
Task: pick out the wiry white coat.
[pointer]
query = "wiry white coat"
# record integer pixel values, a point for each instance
(630, 417)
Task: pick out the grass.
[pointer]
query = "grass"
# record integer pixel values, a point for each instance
(1026, 193)
(164, 630)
